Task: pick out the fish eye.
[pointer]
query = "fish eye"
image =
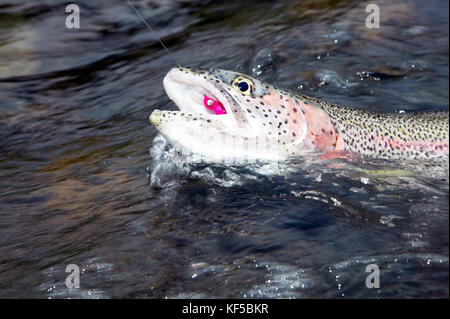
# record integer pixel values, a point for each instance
(242, 85)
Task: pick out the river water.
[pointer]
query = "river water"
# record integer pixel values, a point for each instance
(86, 180)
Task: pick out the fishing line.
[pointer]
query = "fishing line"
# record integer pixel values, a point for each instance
(153, 32)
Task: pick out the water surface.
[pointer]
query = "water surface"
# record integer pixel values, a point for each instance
(85, 179)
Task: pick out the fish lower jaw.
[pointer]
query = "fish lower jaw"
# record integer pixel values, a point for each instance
(196, 149)
(208, 154)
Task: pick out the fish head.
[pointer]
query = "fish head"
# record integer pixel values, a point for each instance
(225, 115)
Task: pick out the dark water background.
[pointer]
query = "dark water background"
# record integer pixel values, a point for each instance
(78, 185)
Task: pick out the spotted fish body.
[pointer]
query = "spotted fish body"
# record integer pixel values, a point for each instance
(418, 135)
(265, 122)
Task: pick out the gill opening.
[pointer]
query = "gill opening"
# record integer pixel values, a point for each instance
(153, 32)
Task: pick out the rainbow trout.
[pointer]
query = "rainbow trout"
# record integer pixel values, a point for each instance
(229, 116)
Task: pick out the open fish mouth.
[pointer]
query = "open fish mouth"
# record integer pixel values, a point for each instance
(199, 93)
(210, 121)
